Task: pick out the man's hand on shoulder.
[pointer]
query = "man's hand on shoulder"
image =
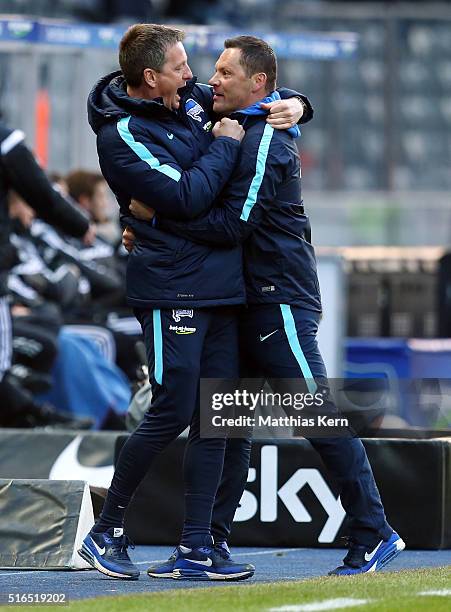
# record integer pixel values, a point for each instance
(284, 114)
(141, 211)
(228, 127)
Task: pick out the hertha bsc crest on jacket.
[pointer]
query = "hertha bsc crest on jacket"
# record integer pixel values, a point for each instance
(194, 110)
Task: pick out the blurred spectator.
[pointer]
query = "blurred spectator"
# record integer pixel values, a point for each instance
(130, 10)
(48, 288)
(59, 183)
(32, 281)
(115, 10)
(90, 191)
(76, 284)
(101, 273)
(84, 282)
(86, 10)
(19, 171)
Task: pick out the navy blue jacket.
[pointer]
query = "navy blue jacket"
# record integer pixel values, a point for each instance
(262, 207)
(170, 161)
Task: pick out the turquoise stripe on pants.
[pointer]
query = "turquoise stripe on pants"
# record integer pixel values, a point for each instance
(293, 340)
(158, 346)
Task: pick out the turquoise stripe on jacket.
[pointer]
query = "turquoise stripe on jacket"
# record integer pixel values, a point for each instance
(143, 152)
(260, 167)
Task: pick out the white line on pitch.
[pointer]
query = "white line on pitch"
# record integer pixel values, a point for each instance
(241, 554)
(318, 606)
(439, 593)
(266, 552)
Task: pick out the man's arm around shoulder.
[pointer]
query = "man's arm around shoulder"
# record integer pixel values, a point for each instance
(140, 166)
(248, 196)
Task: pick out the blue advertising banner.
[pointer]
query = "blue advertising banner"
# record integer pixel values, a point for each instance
(311, 45)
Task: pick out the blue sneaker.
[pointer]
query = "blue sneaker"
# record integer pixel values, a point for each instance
(222, 549)
(208, 563)
(164, 569)
(107, 552)
(360, 559)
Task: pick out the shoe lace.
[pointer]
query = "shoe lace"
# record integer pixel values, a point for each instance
(222, 552)
(119, 547)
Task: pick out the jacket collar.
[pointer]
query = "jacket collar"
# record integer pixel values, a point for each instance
(256, 110)
(109, 101)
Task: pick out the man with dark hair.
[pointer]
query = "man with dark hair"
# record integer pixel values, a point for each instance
(262, 208)
(155, 144)
(256, 56)
(81, 185)
(90, 191)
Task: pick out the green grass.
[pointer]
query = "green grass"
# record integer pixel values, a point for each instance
(387, 591)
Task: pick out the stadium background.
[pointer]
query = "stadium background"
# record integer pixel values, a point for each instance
(376, 181)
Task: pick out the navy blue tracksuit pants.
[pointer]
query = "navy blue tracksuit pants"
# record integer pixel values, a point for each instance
(182, 345)
(279, 341)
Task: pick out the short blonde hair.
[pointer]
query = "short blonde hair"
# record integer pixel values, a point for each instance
(144, 45)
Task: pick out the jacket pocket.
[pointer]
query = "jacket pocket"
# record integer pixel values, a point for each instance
(155, 252)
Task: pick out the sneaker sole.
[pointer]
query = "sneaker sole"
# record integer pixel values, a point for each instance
(392, 553)
(186, 574)
(155, 575)
(85, 554)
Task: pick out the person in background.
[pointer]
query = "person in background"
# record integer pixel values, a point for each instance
(19, 171)
(90, 191)
(59, 183)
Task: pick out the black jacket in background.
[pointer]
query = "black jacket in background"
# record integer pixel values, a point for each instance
(20, 171)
